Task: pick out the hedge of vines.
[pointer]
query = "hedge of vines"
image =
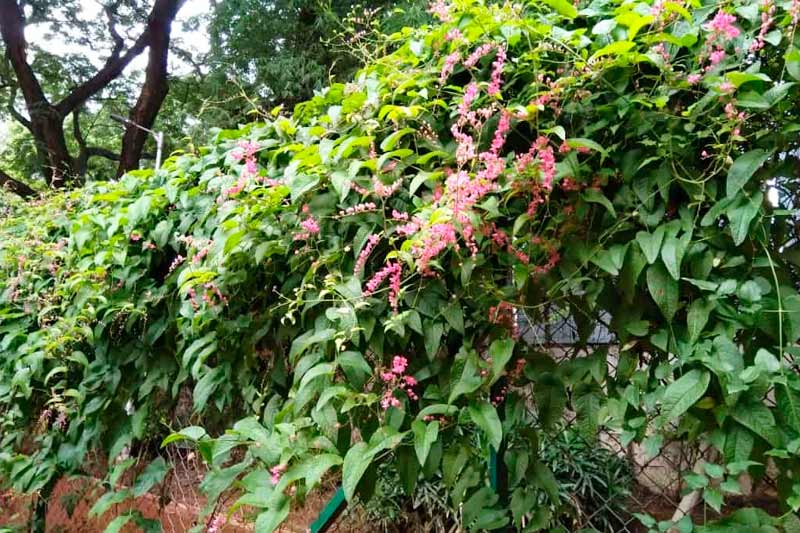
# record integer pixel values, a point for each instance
(345, 281)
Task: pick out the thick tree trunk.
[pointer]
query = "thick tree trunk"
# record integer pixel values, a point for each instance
(47, 124)
(155, 87)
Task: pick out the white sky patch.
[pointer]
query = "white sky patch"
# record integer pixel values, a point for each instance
(195, 42)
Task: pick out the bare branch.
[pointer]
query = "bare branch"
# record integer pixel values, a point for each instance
(16, 114)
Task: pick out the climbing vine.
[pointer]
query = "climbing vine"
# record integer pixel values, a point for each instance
(347, 281)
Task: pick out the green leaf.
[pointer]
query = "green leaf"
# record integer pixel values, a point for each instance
(697, 318)
(611, 260)
(597, 197)
(193, 433)
(360, 456)
(468, 382)
(713, 498)
(485, 417)
(684, 393)
(616, 48)
(311, 469)
(792, 58)
(500, 351)
(672, 254)
(107, 500)
(663, 289)
(356, 462)
(391, 141)
(271, 519)
(424, 437)
(563, 7)
(551, 399)
(758, 418)
(587, 409)
(118, 523)
(741, 214)
(152, 475)
(650, 243)
(767, 361)
(301, 184)
(743, 169)
(454, 316)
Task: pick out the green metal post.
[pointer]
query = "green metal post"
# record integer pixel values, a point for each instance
(330, 512)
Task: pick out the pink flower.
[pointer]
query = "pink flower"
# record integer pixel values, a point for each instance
(357, 209)
(694, 79)
(470, 94)
(476, 56)
(136, 237)
(547, 161)
(385, 191)
(722, 24)
(465, 146)
(393, 271)
(249, 148)
(453, 34)
(503, 125)
(399, 364)
(497, 72)
(726, 87)
(439, 237)
(449, 65)
(440, 9)
(310, 227)
(389, 400)
(372, 240)
(276, 472)
(717, 56)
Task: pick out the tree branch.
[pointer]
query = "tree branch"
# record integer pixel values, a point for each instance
(16, 114)
(12, 27)
(113, 67)
(155, 87)
(17, 187)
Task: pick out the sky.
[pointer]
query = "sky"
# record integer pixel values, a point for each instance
(194, 41)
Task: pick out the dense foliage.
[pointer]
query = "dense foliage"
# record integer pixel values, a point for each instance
(347, 280)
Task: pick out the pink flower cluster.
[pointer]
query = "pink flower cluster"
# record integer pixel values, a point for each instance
(372, 241)
(504, 315)
(276, 472)
(476, 56)
(357, 209)
(450, 62)
(453, 35)
(179, 259)
(497, 72)
(721, 30)
(440, 9)
(437, 238)
(394, 272)
(385, 191)
(396, 380)
(542, 151)
(247, 151)
(723, 25)
(767, 20)
(310, 228)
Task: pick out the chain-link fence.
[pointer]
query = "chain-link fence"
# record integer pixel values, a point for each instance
(607, 481)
